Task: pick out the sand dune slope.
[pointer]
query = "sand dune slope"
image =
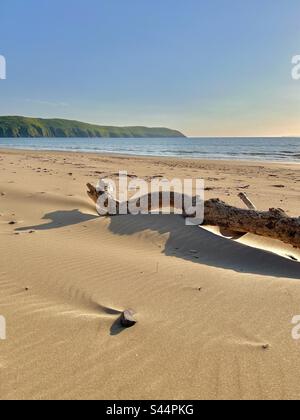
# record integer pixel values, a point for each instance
(214, 316)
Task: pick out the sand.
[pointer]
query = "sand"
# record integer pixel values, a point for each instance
(214, 315)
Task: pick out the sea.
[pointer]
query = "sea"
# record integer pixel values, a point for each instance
(256, 149)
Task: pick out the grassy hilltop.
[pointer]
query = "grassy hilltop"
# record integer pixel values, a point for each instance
(37, 127)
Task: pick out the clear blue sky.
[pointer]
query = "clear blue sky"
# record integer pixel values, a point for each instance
(206, 67)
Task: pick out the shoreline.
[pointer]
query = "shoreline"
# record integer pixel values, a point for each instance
(152, 157)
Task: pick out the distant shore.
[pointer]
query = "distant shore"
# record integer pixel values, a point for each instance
(26, 127)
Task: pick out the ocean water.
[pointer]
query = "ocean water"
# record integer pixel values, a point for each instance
(262, 149)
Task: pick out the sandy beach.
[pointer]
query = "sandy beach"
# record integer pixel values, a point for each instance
(214, 315)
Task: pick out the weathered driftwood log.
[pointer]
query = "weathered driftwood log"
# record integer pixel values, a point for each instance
(275, 223)
(237, 235)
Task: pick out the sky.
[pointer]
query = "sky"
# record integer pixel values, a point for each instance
(205, 67)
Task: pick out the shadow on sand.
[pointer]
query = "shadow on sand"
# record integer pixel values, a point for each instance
(211, 250)
(60, 219)
(208, 249)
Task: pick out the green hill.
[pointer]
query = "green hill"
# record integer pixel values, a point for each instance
(37, 127)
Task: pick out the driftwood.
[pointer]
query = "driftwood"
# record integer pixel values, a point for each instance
(237, 235)
(247, 201)
(275, 223)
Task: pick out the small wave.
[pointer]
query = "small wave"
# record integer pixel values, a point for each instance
(202, 148)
